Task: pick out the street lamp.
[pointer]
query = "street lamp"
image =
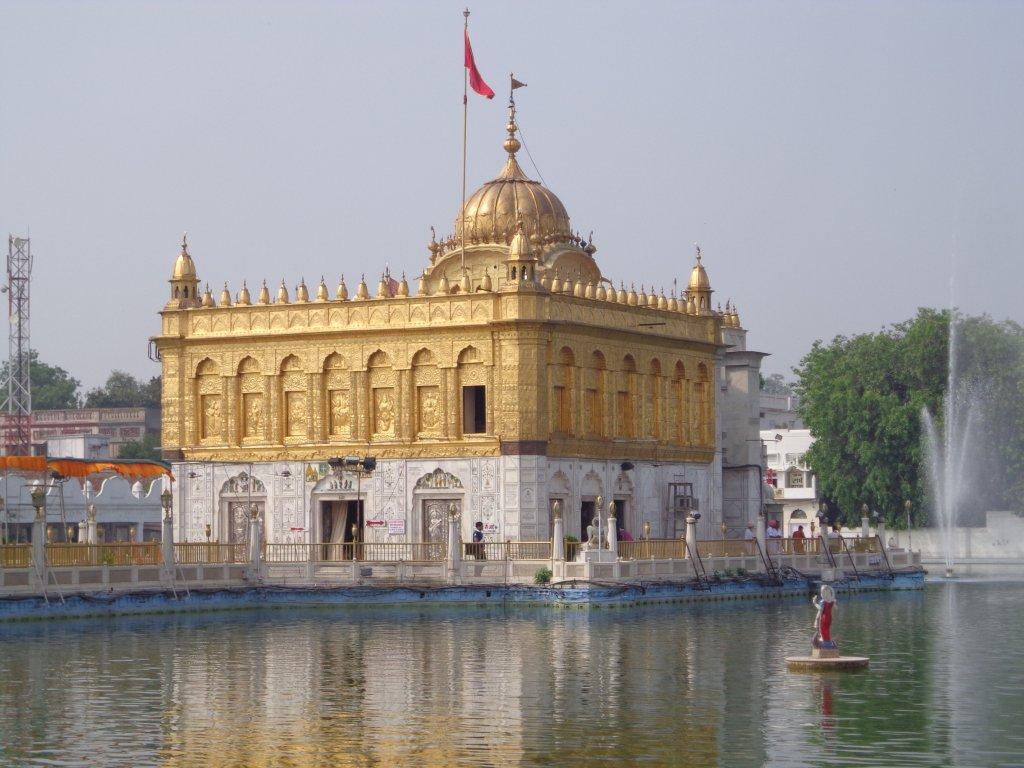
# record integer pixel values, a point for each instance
(907, 505)
(165, 501)
(38, 496)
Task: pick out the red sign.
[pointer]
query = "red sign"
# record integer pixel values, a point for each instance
(375, 523)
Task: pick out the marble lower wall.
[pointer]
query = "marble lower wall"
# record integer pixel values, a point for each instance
(510, 495)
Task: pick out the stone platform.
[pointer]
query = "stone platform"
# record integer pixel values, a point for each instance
(825, 663)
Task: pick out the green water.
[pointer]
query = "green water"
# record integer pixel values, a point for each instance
(671, 685)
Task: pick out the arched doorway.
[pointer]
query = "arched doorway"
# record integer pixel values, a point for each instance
(240, 496)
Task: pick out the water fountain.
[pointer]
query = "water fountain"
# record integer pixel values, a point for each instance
(950, 456)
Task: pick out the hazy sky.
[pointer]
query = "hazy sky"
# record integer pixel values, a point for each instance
(831, 159)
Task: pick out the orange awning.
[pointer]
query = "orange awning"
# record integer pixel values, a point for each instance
(130, 469)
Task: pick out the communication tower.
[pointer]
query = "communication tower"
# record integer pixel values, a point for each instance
(17, 388)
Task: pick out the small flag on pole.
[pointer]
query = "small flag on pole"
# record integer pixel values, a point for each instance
(517, 83)
(476, 80)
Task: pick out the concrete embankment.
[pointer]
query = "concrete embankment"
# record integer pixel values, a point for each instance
(572, 594)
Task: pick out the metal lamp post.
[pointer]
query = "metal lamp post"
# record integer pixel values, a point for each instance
(907, 505)
(167, 531)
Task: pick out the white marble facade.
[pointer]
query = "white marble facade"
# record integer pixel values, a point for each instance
(510, 495)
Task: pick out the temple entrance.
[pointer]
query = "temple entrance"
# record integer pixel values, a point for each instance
(435, 519)
(337, 518)
(240, 497)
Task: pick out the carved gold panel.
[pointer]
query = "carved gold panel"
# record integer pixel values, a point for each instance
(295, 414)
(211, 415)
(253, 410)
(428, 409)
(339, 413)
(384, 412)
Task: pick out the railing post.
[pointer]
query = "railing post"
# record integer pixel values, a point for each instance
(880, 532)
(454, 554)
(167, 544)
(762, 533)
(90, 518)
(613, 537)
(691, 534)
(39, 548)
(255, 545)
(558, 545)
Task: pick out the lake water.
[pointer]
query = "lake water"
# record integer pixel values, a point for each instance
(666, 685)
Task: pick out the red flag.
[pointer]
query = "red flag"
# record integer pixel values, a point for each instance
(476, 81)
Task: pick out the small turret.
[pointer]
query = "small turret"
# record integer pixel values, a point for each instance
(207, 297)
(342, 293)
(225, 296)
(243, 299)
(699, 288)
(321, 290)
(282, 294)
(184, 280)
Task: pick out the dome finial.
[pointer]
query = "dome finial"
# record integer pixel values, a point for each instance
(184, 243)
(511, 143)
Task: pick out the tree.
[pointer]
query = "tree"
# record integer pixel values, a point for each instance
(123, 390)
(146, 448)
(862, 398)
(52, 386)
(776, 384)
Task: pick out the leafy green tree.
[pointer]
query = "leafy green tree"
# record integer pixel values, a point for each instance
(122, 390)
(862, 398)
(146, 448)
(776, 384)
(52, 386)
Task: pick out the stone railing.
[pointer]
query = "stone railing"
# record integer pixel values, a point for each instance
(652, 549)
(64, 555)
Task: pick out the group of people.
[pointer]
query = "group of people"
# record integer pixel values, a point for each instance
(773, 532)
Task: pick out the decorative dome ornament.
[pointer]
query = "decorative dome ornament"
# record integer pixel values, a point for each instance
(225, 296)
(301, 292)
(342, 293)
(403, 287)
(321, 290)
(362, 292)
(282, 294)
(264, 294)
(601, 294)
(491, 212)
(485, 283)
(421, 286)
(207, 297)
(243, 299)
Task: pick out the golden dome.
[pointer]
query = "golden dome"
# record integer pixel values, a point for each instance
(490, 214)
(184, 267)
(699, 277)
(243, 296)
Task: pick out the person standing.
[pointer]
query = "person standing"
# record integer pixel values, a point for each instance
(478, 541)
(798, 539)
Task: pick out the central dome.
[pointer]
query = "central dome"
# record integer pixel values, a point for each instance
(491, 213)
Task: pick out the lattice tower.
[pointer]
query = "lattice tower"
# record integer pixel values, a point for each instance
(17, 387)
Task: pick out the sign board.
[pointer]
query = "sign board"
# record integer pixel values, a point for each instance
(374, 523)
(297, 530)
(490, 527)
(396, 527)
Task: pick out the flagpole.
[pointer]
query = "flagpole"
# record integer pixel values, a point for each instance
(465, 122)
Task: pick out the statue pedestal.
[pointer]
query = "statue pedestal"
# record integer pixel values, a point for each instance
(824, 653)
(595, 556)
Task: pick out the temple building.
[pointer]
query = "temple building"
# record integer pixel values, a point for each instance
(514, 374)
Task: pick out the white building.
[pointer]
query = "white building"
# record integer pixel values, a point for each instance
(796, 487)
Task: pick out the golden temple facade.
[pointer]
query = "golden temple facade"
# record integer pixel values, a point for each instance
(513, 343)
